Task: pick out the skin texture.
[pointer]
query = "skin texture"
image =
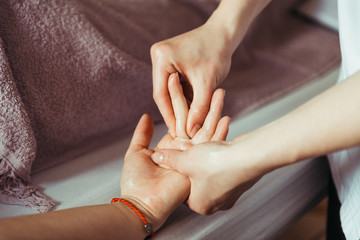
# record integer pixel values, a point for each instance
(151, 187)
(196, 67)
(203, 60)
(221, 171)
(148, 187)
(215, 128)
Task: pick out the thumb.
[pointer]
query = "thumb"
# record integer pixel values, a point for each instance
(174, 159)
(143, 133)
(198, 110)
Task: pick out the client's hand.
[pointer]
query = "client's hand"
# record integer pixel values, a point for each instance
(214, 128)
(154, 190)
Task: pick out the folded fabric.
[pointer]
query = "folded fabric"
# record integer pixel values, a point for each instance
(76, 74)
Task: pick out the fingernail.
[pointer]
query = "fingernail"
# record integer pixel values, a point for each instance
(194, 130)
(157, 157)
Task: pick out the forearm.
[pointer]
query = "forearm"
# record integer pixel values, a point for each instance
(327, 123)
(233, 17)
(109, 221)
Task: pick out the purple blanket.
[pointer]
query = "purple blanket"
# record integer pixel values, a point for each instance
(76, 74)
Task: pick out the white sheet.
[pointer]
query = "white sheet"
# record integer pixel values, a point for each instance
(324, 12)
(262, 213)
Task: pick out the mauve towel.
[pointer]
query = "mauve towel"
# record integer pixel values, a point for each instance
(76, 74)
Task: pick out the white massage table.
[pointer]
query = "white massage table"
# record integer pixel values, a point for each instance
(263, 212)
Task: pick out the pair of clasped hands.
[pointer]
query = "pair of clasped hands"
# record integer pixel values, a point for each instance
(194, 170)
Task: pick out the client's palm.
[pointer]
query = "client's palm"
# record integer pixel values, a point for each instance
(158, 190)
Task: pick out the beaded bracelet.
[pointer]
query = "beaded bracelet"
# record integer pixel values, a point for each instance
(147, 226)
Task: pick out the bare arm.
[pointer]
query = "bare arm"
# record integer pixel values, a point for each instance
(110, 221)
(220, 172)
(147, 186)
(328, 123)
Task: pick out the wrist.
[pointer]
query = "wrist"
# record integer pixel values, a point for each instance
(226, 30)
(156, 222)
(270, 147)
(257, 154)
(232, 18)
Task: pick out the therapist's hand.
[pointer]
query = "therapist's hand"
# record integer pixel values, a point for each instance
(214, 128)
(219, 174)
(203, 59)
(154, 190)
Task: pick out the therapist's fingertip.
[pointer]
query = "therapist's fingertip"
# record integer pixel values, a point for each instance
(172, 78)
(194, 130)
(157, 158)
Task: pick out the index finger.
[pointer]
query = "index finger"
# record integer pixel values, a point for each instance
(161, 96)
(179, 105)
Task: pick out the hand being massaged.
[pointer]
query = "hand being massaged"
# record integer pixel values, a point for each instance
(133, 180)
(201, 158)
(214, 127)
(154, 191)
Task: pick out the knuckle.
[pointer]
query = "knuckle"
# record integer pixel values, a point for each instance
(158, 50)
(204, 209)
(201, 111)
(201, 211)
(154, 48)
